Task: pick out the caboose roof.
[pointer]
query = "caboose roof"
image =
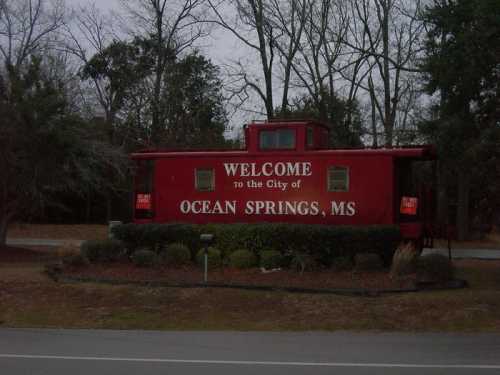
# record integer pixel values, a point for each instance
(425, 152)
(252, 130)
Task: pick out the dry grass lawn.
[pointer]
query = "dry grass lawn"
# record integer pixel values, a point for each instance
(58, 231)
(29, 299)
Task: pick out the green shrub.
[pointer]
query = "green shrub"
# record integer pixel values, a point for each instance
(101, 251)
(322, 242)
(242, 259)
(405, 260)
(270, 259)
(434, 268)
(76, 260)
(176, 254)
(342, 264)
(214, 257)
(130, 234)
(368, 262)
(153, 236)
(144, 258)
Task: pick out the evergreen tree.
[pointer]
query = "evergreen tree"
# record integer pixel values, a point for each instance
(463, 65)
(191, 112)
(47, 150)
(195, 113)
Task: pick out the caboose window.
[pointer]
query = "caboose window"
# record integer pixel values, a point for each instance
(277, 139)
(204, 180)
(144, 176)
(338, 179)
(310, 137)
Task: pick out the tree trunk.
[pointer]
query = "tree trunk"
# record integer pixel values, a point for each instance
(109, 207)
(463, 205)
(269, 96)
(266, 61)
(4, 224)
(286, 84)
(442, 196)
(388, 121)
(88, 206)
(373, 115)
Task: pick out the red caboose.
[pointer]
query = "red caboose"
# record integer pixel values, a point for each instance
(286, 173)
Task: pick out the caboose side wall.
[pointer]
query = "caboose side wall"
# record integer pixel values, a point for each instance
(247, 189)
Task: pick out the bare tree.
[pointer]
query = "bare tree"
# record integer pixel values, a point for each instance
(299, 45)
(173, 26)
(392, 30)
(357, 67)
(254, 30)
(290, 18)
(409, 114)
(326, 69)
(27, 27)
(90, 34)
(328, 49)
(319, 54)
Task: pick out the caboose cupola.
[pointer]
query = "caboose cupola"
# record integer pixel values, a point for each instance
(286, 136)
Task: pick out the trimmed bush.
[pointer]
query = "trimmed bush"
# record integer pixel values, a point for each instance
(242, 259)
(322, 242)
(270, 259)
(144, 258)
(130, 234)
(342, 264)
(101, 251)
(153, 236)
(368, 262)
(405, 260)
(214, 257)
(434, 268)
(176, 254)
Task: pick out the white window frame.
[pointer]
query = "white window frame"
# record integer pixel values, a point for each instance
(347, 179)
(197, 182)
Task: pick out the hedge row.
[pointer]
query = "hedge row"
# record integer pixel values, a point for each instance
(321, 242)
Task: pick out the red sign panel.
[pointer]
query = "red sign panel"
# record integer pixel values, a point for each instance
(143, 202)
(409, 205)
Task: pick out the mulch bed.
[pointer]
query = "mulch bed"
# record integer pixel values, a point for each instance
(327, 279)
(10, 254)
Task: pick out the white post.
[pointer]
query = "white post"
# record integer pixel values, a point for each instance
(205, 276)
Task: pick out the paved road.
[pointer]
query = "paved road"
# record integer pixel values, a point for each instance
(467, 253)
(40, 242)
(58, 352)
